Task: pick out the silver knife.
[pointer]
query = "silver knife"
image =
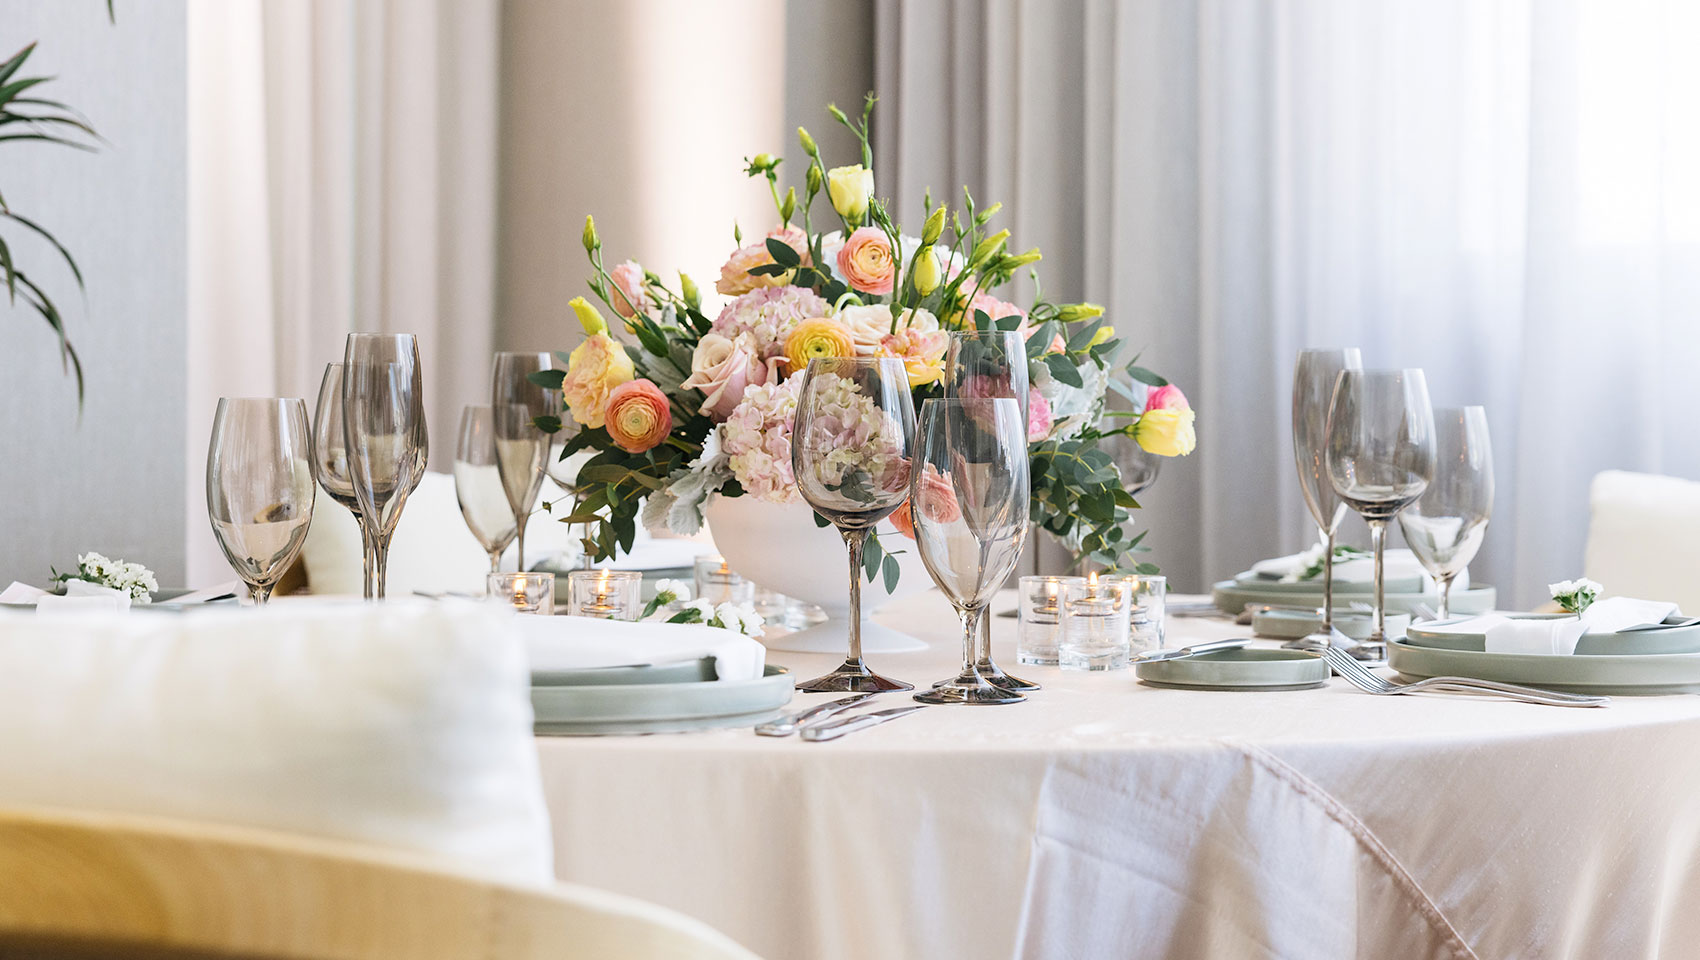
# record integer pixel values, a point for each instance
(786, 725)
(1151, 656)
(833, 729)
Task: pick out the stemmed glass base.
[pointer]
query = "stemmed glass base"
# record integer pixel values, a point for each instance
(969, 687)
(853, 676)
(994, 675)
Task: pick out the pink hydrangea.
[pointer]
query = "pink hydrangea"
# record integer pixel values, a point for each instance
(757, 441)
(1039, 418)
(768, 315)
(853, 435)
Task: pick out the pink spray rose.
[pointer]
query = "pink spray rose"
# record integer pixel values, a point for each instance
(722, 368)
(867, 262)
(628, 289)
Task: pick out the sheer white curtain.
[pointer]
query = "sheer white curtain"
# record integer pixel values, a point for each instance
(1504, 192)
(342, 177)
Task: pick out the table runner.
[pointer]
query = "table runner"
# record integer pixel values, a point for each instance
(1106, 818)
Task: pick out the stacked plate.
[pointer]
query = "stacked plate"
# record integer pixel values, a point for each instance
(665, 698)
(1641, 661)
(1232, 596)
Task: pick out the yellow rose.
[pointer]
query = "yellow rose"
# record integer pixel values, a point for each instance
(925, 273)
(589, 317)
(1167, 433)
(594, 368)
(816, 338)
(850, 188)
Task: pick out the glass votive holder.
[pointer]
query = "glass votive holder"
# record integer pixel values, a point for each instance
(1095, 624)
(604, 594)
(526, 592)
(717, 583)
(1145, 616)
(1038, 633)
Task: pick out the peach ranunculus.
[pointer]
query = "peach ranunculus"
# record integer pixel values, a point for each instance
(594, 368)
(866, 261)
(723, 368)
(1166, 397)
(638, 416)
(628, 294)
(921, 351)
(820, 337)
(735, 277)
(937, 503)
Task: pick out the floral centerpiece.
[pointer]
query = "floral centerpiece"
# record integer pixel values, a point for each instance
(686, 401)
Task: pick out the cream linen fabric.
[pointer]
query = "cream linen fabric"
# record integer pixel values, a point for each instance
(406, 725)
(1108, 819)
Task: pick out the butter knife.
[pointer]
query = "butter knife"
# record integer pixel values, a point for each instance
(1151, 656)
(786, 725)
(833, 729)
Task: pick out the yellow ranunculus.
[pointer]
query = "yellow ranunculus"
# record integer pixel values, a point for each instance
(925, 273)
(1167, 433)
(817, 338)
(589, 317)
(850, 188)
(595, 367)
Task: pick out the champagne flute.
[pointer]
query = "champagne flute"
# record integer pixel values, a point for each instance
(1444, 527)
(968, 501)
(522, 449)
(384, 422)
(850, 446)
(986, 363)
(260, 486)
(478, 484)
(1314, 376)
(330, 457)
(1380, 456)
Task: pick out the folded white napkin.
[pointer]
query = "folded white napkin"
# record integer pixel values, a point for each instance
(79, 595)
(583, 643)
(1617, 613)
(1401, 565)
(1556, 636)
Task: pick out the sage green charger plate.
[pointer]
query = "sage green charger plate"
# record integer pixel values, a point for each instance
(1248, 668)
(1606, 674)
(1252, 581)
(1281, 624)
(1631, 643)
(685, 671)
(1232, 596)
(660, 707)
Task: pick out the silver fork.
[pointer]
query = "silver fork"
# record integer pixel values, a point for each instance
(784, 726)
(1364, 679)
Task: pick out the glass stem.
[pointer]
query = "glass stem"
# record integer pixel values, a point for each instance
(520, 553)
(985, 651)
(971, 619)
(1328, 582)
(382, 554)
(853, 540)
(1445, 611)
(495, 561)
(369, 551)
(262, 593)
(584, 561)
(1377, 541)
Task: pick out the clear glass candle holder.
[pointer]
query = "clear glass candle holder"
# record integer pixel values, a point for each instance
(1145, 616)
(605, 594)
(717, 583)
(1096, 622)
(526, 592)
(1038, 634)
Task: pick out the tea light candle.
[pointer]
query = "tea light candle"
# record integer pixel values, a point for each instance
(1039, 630)
(604, 594)
(1095, 625)
(528, 592)
(1146, 603)
(718, 583)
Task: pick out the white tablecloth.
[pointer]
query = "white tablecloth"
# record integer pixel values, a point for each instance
(1109, 819)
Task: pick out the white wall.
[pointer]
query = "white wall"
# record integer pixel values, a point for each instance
(112, 483)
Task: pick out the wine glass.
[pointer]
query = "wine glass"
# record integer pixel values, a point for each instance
(968, 499)
(1444, 527)
(1314, 376)
(522, 448)
(384, 424)
(850, 447)
(478, 484)
(562, 469)
(985, 363)
(1136, 466)
(330, 457)
(1380, 456)
(260, 486)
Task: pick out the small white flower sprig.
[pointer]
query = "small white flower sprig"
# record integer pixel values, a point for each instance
(729, 616)
(1312, 560)
(131, 578)
(1574, 596)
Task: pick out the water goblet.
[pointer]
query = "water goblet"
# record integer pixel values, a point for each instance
(260, 486)
(1314, 376)
(850, 447)
(1444, 527)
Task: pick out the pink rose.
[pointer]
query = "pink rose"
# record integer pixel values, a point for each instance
(722, 368)
(638, 417)
(628, 289)
(866, 261)
(1038, 415)
(1166, 397)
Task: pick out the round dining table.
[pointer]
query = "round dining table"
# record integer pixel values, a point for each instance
(1107, 818)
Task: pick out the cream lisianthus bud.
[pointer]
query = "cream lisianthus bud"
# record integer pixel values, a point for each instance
(1071, 312)
(925, 273)
(807, 141)
(762, 163)
(1104, 333)
(1023, 259)
(788, 209)
(934, 227)
(988, 213)
(850, 189)
(591, 241)
(815, 179)
(688, 287)
(589, 317)
(987, 247)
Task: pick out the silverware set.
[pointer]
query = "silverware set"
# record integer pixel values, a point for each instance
(1364, 679)
(822, 721)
